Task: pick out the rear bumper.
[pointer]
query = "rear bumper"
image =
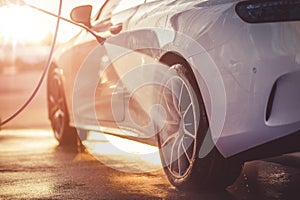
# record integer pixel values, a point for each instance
(267, 109)
(258, 59)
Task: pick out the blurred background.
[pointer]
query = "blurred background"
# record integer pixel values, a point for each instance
(26, 36)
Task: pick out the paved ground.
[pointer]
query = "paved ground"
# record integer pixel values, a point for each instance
(33, 166)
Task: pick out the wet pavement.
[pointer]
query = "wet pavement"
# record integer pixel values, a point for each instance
(33, 166)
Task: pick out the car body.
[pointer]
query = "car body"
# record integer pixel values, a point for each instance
(239, 71)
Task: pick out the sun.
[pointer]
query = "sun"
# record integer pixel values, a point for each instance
(22, 24)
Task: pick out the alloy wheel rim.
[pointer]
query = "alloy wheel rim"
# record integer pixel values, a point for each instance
(57, 108)
(178, 137)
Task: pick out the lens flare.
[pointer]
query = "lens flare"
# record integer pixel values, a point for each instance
(21, 24)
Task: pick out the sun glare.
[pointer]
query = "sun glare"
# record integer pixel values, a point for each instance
(123, 154)
(22, 24)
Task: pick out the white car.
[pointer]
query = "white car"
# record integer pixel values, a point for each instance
(212, 83)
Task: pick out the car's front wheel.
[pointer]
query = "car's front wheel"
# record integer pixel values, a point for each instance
(182, 136)
(58, 113)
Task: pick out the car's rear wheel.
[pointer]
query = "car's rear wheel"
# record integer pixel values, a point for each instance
(182, 136)
(58, 113)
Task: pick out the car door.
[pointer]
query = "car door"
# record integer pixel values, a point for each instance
(127, 77)
(99, 99)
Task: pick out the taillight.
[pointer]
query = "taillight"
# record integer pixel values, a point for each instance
(260, 11)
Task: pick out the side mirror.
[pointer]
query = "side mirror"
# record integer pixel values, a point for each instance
(82, 14)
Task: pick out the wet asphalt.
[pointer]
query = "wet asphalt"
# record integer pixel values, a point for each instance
(34, 166)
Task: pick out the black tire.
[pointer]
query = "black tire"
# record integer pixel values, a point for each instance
(186, 170)
(57, 111)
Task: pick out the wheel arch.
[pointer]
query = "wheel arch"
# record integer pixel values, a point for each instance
(171, 56)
